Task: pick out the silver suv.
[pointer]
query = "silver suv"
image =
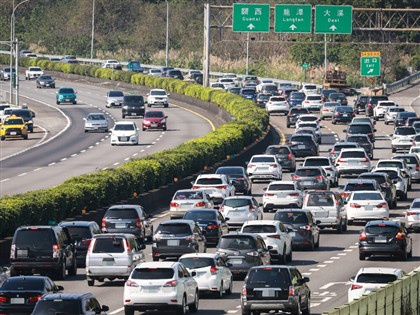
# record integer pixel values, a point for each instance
(114, 98)
(327, 165)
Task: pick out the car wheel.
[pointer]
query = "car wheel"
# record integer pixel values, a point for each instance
(193, 308)
(73, 269)
(61, 272)
(283, 259)
(317, 242)
(362, 256)
(230, 289)
(155, 258)
(91, 282)
(128, 311)
(344, 228)
(404, 256)
(290, 256)
(349, 222)
(386, 123)
(164, 129)
(3, 138)
(144, 129)
(307, 310)
(404, 196)
(244, 312)
(288, 125)
(58, 103)
(340, 227)
(394, 203)
(393, 150)
(148, 105)
(182, 309)
(333, 122)
(166, 105)
(25, 137)
(123, 116)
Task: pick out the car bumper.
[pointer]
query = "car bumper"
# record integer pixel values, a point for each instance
(375, 249)
(93, 272)
(34, 267)
(265, 176)
(124, 140)
(141, 300)
(96, 128)
(280, 203)
(353, 170)
(291, 305)
(172, 251)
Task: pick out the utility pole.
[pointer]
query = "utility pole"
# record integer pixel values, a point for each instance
(167, 35)
(93, 29)
(206, 52)
(247, 53)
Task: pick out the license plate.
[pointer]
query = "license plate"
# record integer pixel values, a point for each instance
(262, 169)
(47, 84)
(133, 114)
(124, 139)
(346, 115)
(13, 133)
(301, 146)
(235, 214)
(67, 100)
(22, 253)
(154, 125)
(120, 225)
(152, 290)
(306, 182)
(108, 263)
(368, 207)
(380, 239)
(292, 234)
(17, 301)
(173, 242)
(353, 162)
(268, 293)
(235, 261)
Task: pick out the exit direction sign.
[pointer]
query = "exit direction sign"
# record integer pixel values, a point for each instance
(333, 19)
(370, 64)
(293, 18)
(251, 17)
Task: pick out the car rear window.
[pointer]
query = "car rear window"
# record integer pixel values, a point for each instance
(281, 187)
(152, 273)
(237, 202)
(376, 278)
(300, 138)
(274, 151)
(346, 109)
(379, 178)
(313, 98)
(368, 196)
(108, 245)
(125, 213)
(197, 262)
(353, 154)
(415, 205)
(397, 164)
(182, 195)
(358, 139)
(407, 159)
(317, 162)
(359, 186)
(259, 228)
(291, 217)
(277, 99)
(174, 229)
(364, 129)
(308, 118)
(58, 306)
(263, 159)
(299, 111)
(321, 200)
(381, 229)
(308, 172)
(200, 216)
(230, 171)
(209, 181)
(405, 131)
(269, 277)
(23, 284)
(34, 239)
(406, 114)
(391, 174)
(116, 94)
(297, 95)
(79, 232)
(237, 242)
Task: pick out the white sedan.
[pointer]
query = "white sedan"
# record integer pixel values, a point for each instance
(264, 167)
(124, 132)
(367, 205)
(277, 104)
(212, 273)
(312, 102)
(96, 122)
(282, 194)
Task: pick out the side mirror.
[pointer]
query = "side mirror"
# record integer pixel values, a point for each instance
(33, 114)
(374, 130)
(344, 130)
(166, 116)
(227, 219)
(391, 134)
(265, 188)
(84, 119)
(269, 247)
(59, 288)
(247, 162)
(141, 246)
(352, 278)
(329, 150)
(104, 308)
(317, 222)
(168, 94)
(193, 273)
(192, 183)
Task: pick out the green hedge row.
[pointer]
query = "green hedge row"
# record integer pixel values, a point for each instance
(139, 175)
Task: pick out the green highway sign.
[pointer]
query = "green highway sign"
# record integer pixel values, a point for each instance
(293, 18)
(305, 66)
(333, 19)
(251, 17)
(370, 66)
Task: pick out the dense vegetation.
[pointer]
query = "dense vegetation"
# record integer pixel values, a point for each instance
(137, 29)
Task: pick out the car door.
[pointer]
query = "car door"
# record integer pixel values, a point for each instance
(301, 288)
(147, 224)
(284, 234)
(409, 245)
(66, 244)
(259, 212)
(263, 251)
(224, 271)
(188, 283)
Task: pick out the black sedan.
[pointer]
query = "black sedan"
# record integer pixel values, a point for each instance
(402, 118)
(45, 81)
(342, 114)
(303, 145)
(294, 114)
(390, 238)
(239, 178)
(20, 294)
(210, 221)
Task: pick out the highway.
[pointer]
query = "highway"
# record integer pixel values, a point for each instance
(329, 267)
(59, 148)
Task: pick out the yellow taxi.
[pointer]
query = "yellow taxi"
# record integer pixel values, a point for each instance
(13, 127)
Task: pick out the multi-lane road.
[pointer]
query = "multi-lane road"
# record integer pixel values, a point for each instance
(329, 267)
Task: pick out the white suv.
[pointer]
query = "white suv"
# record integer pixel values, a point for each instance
(381, 108)
(403, 138)
(157, 97)
(353, 161)
(219, 181)
(161, 285)
(264, 167)
(282, 194)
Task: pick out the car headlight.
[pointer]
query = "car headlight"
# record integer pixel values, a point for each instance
(163, 121)
(146, 122)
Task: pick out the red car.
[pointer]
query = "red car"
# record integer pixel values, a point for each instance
(155, 119)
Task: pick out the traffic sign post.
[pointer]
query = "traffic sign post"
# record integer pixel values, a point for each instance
(333, 19)
(370, 64)
(293, 18)
(251, 17)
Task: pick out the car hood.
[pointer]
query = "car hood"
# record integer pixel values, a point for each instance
(154, 119)
(123, 133)
(96, 122)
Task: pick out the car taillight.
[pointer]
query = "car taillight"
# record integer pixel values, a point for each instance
(214, 270)
(3, 299)
(251, 165)
(277, 236)
(366, 159)
(243, 295)
(355, 205)
(289, 156)
(353, 114)
(171, 283)
(295, 177)
(291, 291)
(400, 236)
(12, 252)
(268, 195)
(221, 187)
(174, 204)
(417, 167)
(385, 185)
(86, 241)
(382, 205)
(212, 226)
(190, 238)
(378, 107)
(294, 194)
(34, 299)
(127, 245)
(306, 227)
(344, 194)
(273, 165)
(56, 251)
(251, 208)
(411, 213)
(200, 204)
(362, 236)
(103, 223)
(370, 106)
(130, 283)
(325, 110)
(339, 160)
(332, 152)
(356, 287)
(337, 114)
(318, 177)
(138, 223)
(221, 208)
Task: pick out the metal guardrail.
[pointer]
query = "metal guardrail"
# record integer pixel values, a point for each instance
(390, 88)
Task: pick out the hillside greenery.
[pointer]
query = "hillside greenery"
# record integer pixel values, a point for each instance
(136, 29)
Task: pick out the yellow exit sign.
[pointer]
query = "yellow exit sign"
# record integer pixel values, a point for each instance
(370, 54)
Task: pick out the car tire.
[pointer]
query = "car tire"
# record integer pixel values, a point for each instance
(164, 129)
(362, 256)
(123, 116)
(244, 312)
(317, 242)
(128, 311)
(307, 310)
(265, 210)
(333, 122)
(404, 256)
(290, 256)
(25, 137)
(155, 258)
(345, 226)
(404, 196)
(350, 222)
(393, 150)
(230, 289)
(182, 309)
(73, 268)
(386, 123)
(394, 203)
(166, 105)
(61, 272)
(283, 259)
(144, 129)
(91, 282)
(193, 308)
(58, 103)
(288, 125)
(2, 138)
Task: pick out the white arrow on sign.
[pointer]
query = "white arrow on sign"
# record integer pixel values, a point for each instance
(370, 71)
(293, 27)
(333, 28)
(251, 26)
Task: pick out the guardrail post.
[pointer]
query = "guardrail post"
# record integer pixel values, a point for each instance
(380, 301)
(397, 297)
(389, 300)
(372, 303)
(363, 305)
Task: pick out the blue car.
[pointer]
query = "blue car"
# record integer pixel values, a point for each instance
(248, 93)
(296, 98)
(66, 95)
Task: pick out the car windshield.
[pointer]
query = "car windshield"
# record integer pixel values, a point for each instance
(237, 202)
(23, 284)
(259, 228)
(281, 187)
(269, 277)
(353, 155)
(209, 181)
(122, 213)
(344, 109)
(291, 217)
(174, 229)
(200, 216)
(376, 278)
(45, 77)
(237, 242)
(367, 196)
(66, 91)
(124, 127)
(320, 200)
(405, 131)
(263, 159)
(154, 115)
(230, 171)
(96, 117)
(16, 121)
(133, 100)
(34, 239)
(279, 151)
(317, 162)
(197, 262)
(79, 232)
(22, 113)
(157, 92)
(308, 172)
(182, 195)
(108, 245)
(58, 306)
(116, 94)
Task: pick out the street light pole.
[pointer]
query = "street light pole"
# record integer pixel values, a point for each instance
(93, 29)
(247, 53)
(167, 34)
(11, 52)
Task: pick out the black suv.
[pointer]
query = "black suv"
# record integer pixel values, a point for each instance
(241, 251)
(43, 249)
(69, 303)
(275, 288)
(174, 73)
(361, 128)
(359, 184)
(360, 103)
(81, 232)
(131, 219)
(133, 105)
(363, 141)
(372, 101)
(387, 186)
(402, 118)
(239, 178)
(294, 114)
(284, 155)
(343, 114)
